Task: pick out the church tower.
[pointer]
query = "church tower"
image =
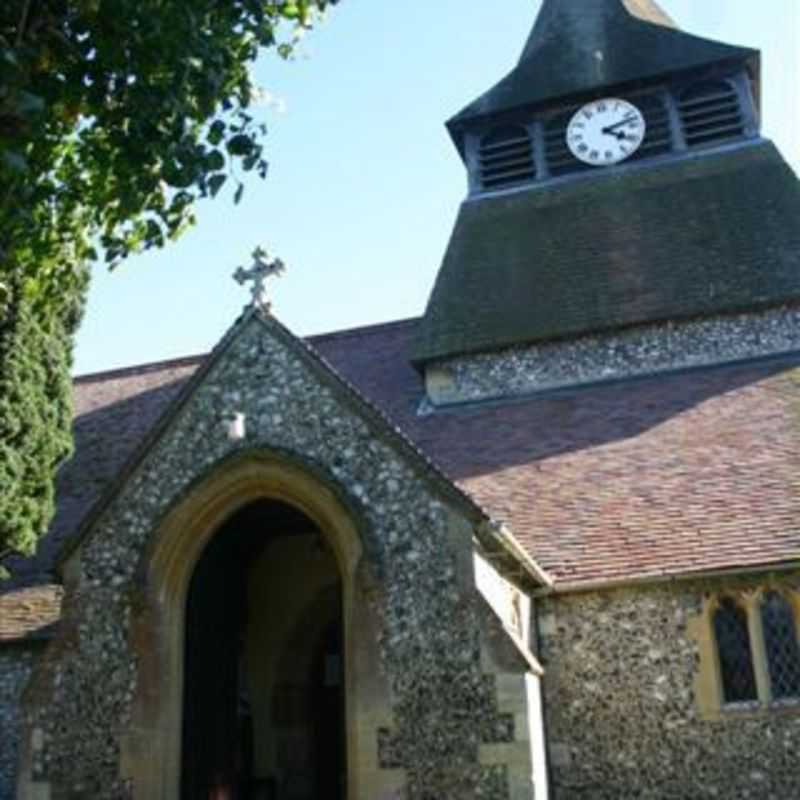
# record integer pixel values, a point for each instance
(624, 216)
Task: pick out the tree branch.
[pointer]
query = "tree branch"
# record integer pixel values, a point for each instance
(23, 23)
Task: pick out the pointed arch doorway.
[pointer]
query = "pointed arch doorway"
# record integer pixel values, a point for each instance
(263, 695)
(318, 644)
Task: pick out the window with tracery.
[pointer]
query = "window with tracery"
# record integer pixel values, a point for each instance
(757, 648)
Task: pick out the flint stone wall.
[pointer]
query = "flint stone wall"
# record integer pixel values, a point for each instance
(16, 663)
(639, 351)
(445, 705)
(622, 717)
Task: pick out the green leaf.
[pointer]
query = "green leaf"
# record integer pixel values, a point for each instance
(215, 183)
(16, 162)
(29, 103)
(215, 161)
(216, 132)
(240, 145)
(106, 147)
(9, 56)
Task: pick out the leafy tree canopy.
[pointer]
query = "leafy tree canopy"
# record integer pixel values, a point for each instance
(116, 117)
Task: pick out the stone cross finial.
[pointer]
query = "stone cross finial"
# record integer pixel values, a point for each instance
(263, 268)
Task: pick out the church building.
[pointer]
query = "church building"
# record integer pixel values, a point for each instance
(542, 543)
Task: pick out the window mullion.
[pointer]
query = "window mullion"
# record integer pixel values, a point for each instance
(712, 649)
(758, 648)
(794, 600)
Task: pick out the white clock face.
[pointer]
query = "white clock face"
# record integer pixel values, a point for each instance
(606, 132)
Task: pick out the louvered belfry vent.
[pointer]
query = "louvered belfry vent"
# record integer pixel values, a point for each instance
(506, 158)
(711, 112)
(658, 139)
(702, 115)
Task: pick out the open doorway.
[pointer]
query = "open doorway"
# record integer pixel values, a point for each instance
(263, 700)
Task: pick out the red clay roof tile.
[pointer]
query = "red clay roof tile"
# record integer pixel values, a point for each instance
(658, 477)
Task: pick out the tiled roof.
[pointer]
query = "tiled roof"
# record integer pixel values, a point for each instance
(669, 475)
(661, 477)
(656, 477)
(113, 412)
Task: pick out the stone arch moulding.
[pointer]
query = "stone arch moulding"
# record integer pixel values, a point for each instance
(151, 748)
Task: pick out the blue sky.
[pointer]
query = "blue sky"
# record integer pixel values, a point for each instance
(364, 182)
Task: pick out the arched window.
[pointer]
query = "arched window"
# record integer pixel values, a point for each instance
(710, 112)
(733, 646)
(506, 158)
(781, 646)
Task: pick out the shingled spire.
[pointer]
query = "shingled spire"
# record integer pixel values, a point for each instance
(699, 219)
(578, 46)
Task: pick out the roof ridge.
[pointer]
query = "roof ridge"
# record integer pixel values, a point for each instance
(139, 369)
(492, 535)
(649, 11)
(345, 333)
(197, 358)
(589, 19)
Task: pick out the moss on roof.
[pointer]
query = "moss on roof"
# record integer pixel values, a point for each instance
(712, 234)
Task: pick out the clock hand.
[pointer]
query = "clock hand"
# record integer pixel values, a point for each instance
(612, 128)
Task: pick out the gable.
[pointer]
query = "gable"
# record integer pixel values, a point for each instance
(288, 400)
(400, 532)
(264, 376)
(536, 463)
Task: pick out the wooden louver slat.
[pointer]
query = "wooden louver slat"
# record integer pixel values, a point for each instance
(704, 94)
(696, 112)
(512, 173)
(711, 113)
(506, 158)
(510, 155)
(505, 145)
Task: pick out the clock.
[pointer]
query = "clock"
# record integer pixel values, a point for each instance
(606, 132)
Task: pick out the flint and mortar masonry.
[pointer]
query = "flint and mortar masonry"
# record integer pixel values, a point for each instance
(623, 354)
